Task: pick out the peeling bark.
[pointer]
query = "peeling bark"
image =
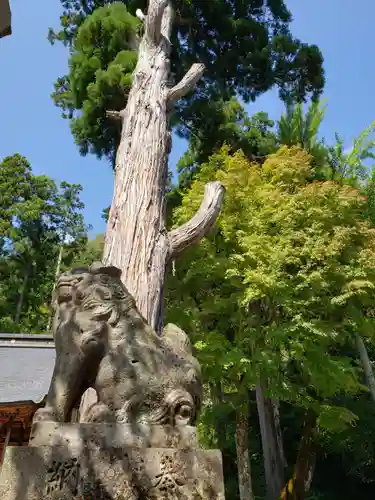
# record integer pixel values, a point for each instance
(136, 237)
(243, 459)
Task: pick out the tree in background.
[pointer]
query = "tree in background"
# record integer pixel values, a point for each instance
(295, 128)
(282, 284)
(228, 124)
(36, 217)
(350, 166)
(257, 136)
(246, 48)
(333, 162)
(92, 252)
(70, 228)
(103, 58)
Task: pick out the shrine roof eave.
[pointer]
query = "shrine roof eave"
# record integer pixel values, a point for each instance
(22, 407)
(32, 340)
(18, 415)
(5, 19)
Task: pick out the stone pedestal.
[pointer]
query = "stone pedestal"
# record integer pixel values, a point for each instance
(111, 462)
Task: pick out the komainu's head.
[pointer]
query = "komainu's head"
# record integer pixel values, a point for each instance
(96, 291)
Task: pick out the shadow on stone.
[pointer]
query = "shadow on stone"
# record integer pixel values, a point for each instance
(138, 441)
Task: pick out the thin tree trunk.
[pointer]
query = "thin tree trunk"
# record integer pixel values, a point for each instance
(57, 274)
(301, 481)
(366, 364)
(216, 392)
(243, 459)
(279, 437)
(310, 472)
(21, 297)
(273, 454)
(136, 239)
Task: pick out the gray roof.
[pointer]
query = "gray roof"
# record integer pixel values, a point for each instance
(26, 365)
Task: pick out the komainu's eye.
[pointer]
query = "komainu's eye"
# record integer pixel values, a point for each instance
(79, 296)
(184, 414)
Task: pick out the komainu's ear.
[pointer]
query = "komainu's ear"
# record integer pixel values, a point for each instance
(99, 268)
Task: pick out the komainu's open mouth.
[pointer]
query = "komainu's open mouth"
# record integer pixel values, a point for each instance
(65, 286)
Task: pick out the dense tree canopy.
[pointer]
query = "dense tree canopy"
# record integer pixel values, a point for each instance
(229, 124)
(281, 287)
(103, 59)
(300, 258)
(247, 49)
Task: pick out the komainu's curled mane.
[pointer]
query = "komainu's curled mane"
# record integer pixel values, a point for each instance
(102, 341)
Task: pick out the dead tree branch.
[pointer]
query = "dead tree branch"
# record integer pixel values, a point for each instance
(192, 231)
(187, 84)
(115, 115)
(153, 20)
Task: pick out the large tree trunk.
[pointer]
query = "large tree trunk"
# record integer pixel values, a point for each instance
(366, 364)
(243, 459)
(136, 239)
(273, 453)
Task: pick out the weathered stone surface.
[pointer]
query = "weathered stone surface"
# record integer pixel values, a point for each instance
(59, 473)
(137, 442)
(112, 435)
(102, 341)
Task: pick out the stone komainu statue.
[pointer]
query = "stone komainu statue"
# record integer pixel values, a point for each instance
(103, 342)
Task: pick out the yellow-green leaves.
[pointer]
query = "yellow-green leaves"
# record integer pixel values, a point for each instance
(333, 418)
(294, 275)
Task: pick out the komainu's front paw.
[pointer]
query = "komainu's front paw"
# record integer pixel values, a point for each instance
(45, 414)
(98, 412)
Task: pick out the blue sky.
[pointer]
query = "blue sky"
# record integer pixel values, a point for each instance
(32, 126)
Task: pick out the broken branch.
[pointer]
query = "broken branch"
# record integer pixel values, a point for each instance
(187, 83)
(140, 15)
(192, 231)
(153, 19)
(116, 115)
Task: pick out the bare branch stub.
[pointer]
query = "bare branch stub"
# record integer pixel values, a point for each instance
(153, 20)
(139, 14)
(192, 231)
(115, 115)
(187, 84)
